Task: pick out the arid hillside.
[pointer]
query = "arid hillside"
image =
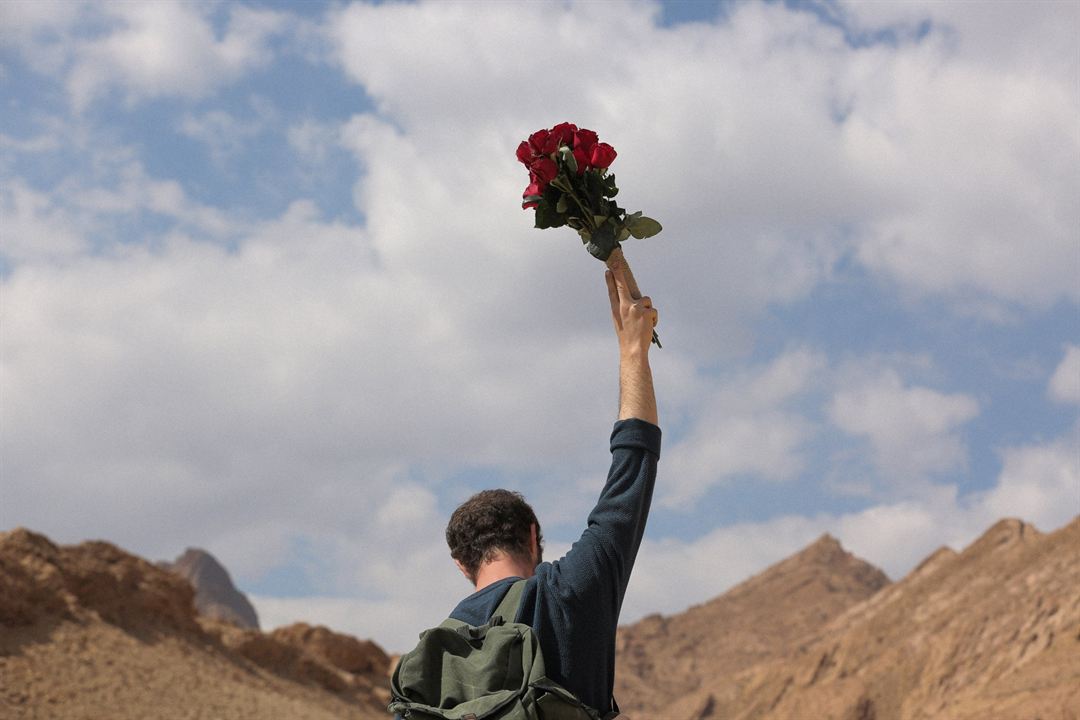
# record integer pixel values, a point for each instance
(89, 631)
(662, 660)
(991, 632)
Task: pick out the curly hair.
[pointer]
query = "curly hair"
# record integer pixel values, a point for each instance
(489, 521)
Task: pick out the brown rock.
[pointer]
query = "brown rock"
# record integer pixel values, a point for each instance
(991, 632)
(359, 657)
(698, 653)
(92, 631)
(215, 595)
(41, 579)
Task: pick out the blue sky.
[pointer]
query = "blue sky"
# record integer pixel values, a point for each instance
(267, 288)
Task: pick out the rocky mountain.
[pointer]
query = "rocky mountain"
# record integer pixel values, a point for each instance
(92, 631)
(990, 632)
(665, 659)
(215, 595)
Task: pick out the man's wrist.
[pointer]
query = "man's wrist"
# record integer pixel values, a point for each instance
(634, 356)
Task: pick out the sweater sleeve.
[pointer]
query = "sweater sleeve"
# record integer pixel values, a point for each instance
(598, 566)
(617, 523)
(575, 602)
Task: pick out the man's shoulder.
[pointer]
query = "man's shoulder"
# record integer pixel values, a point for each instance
(477, 608)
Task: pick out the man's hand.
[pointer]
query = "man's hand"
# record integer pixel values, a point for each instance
(634, 319)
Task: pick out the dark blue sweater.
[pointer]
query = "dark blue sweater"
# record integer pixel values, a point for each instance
(573, 604)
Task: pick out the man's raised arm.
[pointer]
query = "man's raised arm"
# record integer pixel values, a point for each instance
(634, 321)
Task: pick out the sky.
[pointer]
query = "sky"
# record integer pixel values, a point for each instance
(266, 287)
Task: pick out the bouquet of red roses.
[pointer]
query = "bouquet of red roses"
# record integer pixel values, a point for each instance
(569, 184)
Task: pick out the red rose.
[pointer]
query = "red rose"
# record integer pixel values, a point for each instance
(585, 139)
(602, 155)
(543, 143)
(543, 170)
(532, 191)
(537, 141)
(563, 133)
(582, 158)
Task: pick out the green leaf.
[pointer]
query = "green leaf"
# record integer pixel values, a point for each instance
(610, 190)
(546, 217)
(642, 227)
(624, 234)
(561, 205)
(594, 188)
(599, 220)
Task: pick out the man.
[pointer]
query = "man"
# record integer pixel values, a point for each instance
(573, 604)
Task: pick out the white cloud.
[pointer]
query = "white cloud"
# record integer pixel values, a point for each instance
(41, 30)
(34, 228)
(971, 134)
(913, 431)
(1032, 35)
(43, 143)
(224, 134)
(1039, 483)
(671, 575)
(741, 254)
(744, 426)
(168, 48)
(279, 369)
(135, 191)
(313, 142)
(1065, 384)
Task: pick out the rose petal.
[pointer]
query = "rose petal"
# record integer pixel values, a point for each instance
(524, 152)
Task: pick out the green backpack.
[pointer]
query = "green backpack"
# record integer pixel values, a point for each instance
(491, 672)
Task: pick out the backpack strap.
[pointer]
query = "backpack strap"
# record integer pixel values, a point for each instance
(511, 602)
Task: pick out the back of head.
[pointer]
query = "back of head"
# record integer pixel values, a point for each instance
(488, 522)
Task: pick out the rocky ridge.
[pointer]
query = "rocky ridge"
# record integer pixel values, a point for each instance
(990, 632)
(92, 631)
(664, 662)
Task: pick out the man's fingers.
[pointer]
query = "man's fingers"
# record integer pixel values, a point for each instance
(613, 296)
(620, 282)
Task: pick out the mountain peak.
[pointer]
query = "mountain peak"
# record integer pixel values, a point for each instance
(797, 641)
(757, 620)
(827, 559)
(1005, 533)
(826, 546)
(215, 595)
(79, 622)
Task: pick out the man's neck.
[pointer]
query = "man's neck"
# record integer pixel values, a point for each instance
(502, 567)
